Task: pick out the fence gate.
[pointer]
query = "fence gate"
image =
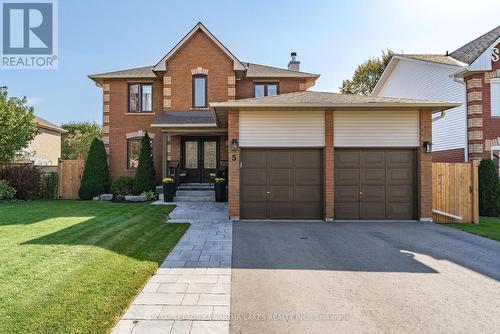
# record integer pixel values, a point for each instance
(70, 173)
(455, 193)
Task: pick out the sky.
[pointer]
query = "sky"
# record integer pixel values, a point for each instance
(331, 38)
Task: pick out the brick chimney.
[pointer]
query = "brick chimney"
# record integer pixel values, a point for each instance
(294, 65)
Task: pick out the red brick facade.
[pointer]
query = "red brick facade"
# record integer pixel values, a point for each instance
(483, 129)
(425, 167)
(456, 155)
(173, 91)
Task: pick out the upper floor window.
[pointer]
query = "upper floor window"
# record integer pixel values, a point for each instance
(199, 91)
(495, 96)
(265, 89)
(140, 98)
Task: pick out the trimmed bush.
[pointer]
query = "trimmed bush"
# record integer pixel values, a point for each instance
(489, 189)
(48, 185)
(95, 178)
(24, 178)
(6, 191)
(122, 185)
(145, 176)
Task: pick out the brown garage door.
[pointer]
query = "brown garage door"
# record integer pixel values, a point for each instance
(281, 184)
(374, 184)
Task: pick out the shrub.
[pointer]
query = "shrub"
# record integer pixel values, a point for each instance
(150, 195)
(24, 178)
(489, 189)
(122, 185)
(145, 176)
(95, 178)
(48, 186)
(6, 191)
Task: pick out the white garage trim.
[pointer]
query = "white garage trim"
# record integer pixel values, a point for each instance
(376, 129)
(282, 128)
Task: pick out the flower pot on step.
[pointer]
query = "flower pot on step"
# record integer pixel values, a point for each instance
(220, 191)
(168, 191)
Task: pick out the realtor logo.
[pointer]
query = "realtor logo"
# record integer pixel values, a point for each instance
(29, 34)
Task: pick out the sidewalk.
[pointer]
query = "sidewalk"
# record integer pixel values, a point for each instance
(191, 291)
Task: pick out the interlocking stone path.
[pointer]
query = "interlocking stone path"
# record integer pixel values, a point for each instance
(190, 292)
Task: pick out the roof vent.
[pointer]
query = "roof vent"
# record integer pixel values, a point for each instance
(294, 65)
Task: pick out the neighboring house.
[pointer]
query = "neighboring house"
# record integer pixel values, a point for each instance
(290, 153)
(45, 149)
(469, 75)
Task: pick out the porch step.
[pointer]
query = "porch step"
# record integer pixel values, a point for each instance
(194, 193)
(189, 186)
(194, 198)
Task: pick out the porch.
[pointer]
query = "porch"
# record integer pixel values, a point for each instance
(194, 152)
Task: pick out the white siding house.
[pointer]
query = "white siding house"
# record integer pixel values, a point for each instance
(430, 80)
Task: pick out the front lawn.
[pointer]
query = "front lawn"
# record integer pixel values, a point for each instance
(488, 227)
(74, 266)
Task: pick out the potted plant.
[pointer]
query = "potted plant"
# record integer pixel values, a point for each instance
(168, 189)
(220, 189)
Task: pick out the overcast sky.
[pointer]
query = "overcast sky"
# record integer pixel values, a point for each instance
(331, 38)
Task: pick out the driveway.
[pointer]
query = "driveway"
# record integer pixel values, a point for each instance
(315, 277)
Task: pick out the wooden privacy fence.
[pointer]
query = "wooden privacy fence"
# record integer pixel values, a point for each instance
(455, 193)
(70, 173)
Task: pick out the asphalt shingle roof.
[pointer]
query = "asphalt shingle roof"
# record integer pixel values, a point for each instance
(310, 98)
(253, 71)
(185, 117)
(46, 124)
(434, 58)
(472, 50)
(257, 70)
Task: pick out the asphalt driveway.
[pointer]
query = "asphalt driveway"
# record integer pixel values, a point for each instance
(315, 277)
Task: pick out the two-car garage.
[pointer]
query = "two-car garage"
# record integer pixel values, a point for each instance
(315, 155)
(283, 158)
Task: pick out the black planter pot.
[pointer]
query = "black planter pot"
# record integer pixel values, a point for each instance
(168, 192)
(220, 191)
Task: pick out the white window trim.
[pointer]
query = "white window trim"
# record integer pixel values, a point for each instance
(494, 82)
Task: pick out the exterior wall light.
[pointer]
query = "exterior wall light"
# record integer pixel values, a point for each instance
(427, 147)
(234, 144)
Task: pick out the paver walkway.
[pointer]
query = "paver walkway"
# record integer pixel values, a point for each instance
(191, 291)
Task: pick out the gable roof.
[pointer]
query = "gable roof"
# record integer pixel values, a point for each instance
(253, 71)
(138, 72)
(42, 123)
(258, 71)
(311, 99)
(433, 58)
(428, 58)
(472, 50)
(161, 65)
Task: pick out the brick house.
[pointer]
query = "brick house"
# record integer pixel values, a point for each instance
(284, 150)
(469, 75)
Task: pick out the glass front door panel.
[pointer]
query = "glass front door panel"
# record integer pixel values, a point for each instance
(191, 154)
(209, 154)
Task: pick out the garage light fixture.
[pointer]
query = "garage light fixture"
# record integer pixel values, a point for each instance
(234, 144)
(427, 147)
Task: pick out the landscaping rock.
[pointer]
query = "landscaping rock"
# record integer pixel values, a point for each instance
(106, 197)
(138, 198)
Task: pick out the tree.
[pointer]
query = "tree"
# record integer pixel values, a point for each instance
(145, 176)
(489, 189)
(17, 126)
(76, 142)
(367, 75)
(95, 178)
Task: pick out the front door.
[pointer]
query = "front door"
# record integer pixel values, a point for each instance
(199, 159)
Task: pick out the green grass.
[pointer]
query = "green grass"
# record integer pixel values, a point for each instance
(488, 227)
(74, 266)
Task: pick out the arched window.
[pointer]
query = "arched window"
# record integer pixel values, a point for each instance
(199, 91)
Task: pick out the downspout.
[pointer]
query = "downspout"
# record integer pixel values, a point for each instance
(466, 146)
